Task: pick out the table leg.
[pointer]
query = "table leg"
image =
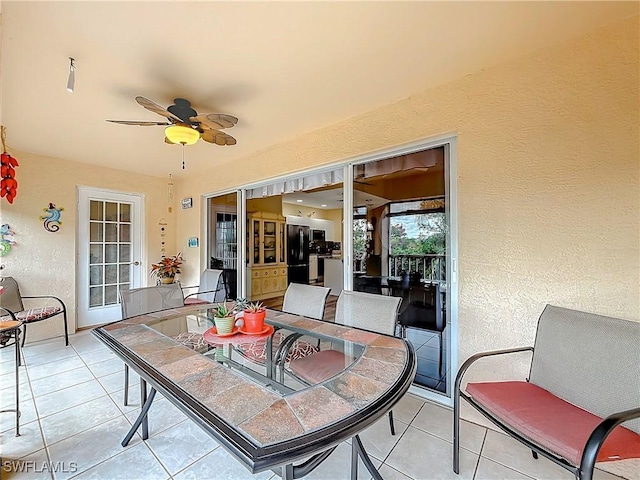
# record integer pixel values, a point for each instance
(356, 444)
(287, 472)
(142, 418)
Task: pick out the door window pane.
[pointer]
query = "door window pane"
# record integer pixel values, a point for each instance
(125, 253)
(111, 253)
(111, 232)
(95, 275)
(124, 273)
(95, 254)
(125, 212)
(95, 296)
(95, 210)
(111, 212)
(111, 274)
(95, 232)
(125, 232)
(111, 295)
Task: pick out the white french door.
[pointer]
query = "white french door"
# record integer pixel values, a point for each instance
(109, 252)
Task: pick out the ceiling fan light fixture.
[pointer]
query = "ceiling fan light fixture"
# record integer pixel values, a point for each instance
(182, 135)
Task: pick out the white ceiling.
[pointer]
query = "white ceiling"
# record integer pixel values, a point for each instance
(282, 68)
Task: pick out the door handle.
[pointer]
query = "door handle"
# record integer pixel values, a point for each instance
(136, 263)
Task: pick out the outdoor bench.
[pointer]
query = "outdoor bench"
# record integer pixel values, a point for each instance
(584, 382)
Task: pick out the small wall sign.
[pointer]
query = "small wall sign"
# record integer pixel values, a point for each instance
(187, 203)
(193, 242)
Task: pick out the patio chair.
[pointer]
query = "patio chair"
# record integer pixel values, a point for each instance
(376, 313)
(11, 299)
(138, 301)
(306, 300)
(212, 288)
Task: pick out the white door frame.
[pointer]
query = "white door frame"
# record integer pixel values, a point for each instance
(110, 313)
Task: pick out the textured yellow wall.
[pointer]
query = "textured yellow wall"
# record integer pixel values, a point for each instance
(548, 188)
(44, 262)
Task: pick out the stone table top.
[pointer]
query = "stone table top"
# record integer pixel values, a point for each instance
(261, 427)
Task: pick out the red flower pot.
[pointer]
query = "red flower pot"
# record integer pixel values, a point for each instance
(254, 321)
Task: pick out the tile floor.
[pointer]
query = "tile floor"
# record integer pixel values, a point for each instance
(73, 421)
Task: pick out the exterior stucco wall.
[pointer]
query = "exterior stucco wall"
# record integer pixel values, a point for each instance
(548, 188)
(42, 262)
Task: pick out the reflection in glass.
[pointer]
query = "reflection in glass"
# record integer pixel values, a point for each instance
(111, 295)
(124, 273)
(111, 232)
(95, 210)
(95, 254)
(95, 275)
(111, 212)
(125, 232)
(95, 296)
(125, 212)
(111, 274)
(111, 253)
(95, 232)
(125, 253)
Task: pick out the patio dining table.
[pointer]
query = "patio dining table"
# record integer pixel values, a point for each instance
(264, 423)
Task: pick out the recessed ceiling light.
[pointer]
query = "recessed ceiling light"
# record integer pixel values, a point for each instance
(299, 201)
(323, 205)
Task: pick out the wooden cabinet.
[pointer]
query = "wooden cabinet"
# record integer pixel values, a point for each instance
(267, 269)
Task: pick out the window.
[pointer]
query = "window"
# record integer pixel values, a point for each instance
(226, 242)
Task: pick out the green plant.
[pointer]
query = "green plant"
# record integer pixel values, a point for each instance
(167, 267)
(254, 307)
(227, 309)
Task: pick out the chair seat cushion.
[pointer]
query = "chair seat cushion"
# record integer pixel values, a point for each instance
(257, 351)
(34, 314)
(320, 366)
(550, 422)
(194, 301)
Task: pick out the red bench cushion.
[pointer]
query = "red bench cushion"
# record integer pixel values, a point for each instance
(550, 422)
(35, 314)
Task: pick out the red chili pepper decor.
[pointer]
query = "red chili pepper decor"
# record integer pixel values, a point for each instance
(8, 184)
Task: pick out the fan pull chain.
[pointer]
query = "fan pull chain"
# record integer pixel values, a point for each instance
(183, 164)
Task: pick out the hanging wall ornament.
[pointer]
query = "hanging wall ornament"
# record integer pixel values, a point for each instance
(8, 182)
(6, 239)
(52, 218)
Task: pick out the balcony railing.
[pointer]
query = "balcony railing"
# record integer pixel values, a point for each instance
(431, 267)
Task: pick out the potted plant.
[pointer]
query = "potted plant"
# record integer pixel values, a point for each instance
(224, 315)
(253, 315)
(167, 268)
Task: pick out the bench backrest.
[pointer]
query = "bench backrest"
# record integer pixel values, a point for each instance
(589, 360)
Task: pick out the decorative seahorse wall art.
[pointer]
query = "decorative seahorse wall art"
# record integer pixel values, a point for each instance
(52, 218)
(6, 239)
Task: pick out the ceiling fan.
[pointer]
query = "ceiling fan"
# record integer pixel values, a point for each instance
(184, 125)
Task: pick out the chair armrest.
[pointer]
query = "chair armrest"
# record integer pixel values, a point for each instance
(599, 435)
(64, 308)
(201, 293)
(473, 358)
(13, 317)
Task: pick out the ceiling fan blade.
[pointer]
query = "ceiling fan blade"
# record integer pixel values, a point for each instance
(219, 138)
(166, 140)
(215, 121)
(155, 108)
(142, 124)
